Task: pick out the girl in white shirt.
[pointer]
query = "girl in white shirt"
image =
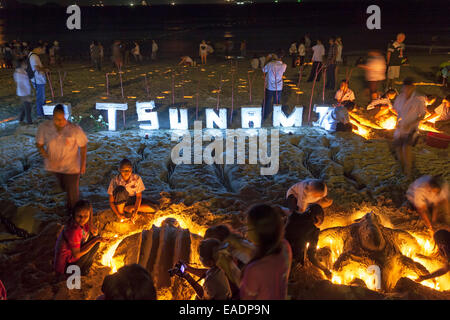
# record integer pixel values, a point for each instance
(23, 90)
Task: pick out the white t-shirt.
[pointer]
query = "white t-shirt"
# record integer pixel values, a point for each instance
(203, 49)
(133, 185)
(380, 102)
(349, 95)
(318, 52)
(39, 77)
(62, 147)
(377, 69)
(443, 112)
(301, 49)
(409, 111)
(23, 83)
(304, 198)
(274, 75)
(420, 195)
(336, 115)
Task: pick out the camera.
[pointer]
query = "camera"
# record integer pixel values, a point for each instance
(179, 268)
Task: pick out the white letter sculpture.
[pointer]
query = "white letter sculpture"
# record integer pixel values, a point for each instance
(112, 108)
(251, 115)
(373, 21)
(145, 113)
(178, 122)
(280, 119)
(212, 117)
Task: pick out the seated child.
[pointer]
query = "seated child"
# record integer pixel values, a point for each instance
(216, 286)
(78, 242)
(427, 195)
(306, 192)
(302, 233)
(442, 240)
(384, 103)
(125, 193)
(338, 118)
(186, 61)
(441, 113)
(344, 93)
(131, 282)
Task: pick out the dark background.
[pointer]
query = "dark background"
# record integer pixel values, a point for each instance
(266, 27)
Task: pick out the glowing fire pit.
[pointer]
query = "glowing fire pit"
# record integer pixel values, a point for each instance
(366, 253)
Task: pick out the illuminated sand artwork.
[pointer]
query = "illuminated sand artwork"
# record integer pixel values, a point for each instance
(362, 175)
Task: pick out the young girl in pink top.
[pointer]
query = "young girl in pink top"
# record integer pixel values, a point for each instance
(266, 276)
(77, 244)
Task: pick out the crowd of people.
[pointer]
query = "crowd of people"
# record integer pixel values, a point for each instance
(277, 238)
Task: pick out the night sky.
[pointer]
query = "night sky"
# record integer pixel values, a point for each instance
(137, 2)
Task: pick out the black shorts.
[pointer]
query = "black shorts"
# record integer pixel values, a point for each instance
(407, 140)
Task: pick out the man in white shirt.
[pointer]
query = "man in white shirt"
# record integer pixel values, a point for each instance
(411, 110)
(428, 195)
(23, 90)
(39, 78)
(375, 72)
(274, 71)
(318, 53)
(63, 146)
(305, 192)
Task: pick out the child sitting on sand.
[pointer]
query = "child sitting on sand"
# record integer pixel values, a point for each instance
(78, 242)
(125, 193)
(344, 93)
(306, 192)
(216, 286)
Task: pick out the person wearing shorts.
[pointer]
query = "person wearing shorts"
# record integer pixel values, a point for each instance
(394, 57)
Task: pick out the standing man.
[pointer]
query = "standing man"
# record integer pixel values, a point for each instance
(375, 72)
(411, 110)
(331, 65)
(318, 53)
(38, 77)
(154, 49)
(274, 71)
(63, 146)
(394, 59)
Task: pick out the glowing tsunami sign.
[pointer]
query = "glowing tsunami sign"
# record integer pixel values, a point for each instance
(251, 117)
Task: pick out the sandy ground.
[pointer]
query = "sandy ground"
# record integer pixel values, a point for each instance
(362, 176)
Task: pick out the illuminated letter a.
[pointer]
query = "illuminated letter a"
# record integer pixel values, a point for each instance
(373, 21)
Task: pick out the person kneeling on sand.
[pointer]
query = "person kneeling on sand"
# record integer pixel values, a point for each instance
(78, 242)
(428, 195)
(216, 286)
(306, 192)
(131, 282)
(186, 61)
(442, 112)
(442, 240)
(338, 118)
(384, 104)
(302, 233)
(125, 193)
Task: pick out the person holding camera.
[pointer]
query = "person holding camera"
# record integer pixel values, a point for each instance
(216, 286)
